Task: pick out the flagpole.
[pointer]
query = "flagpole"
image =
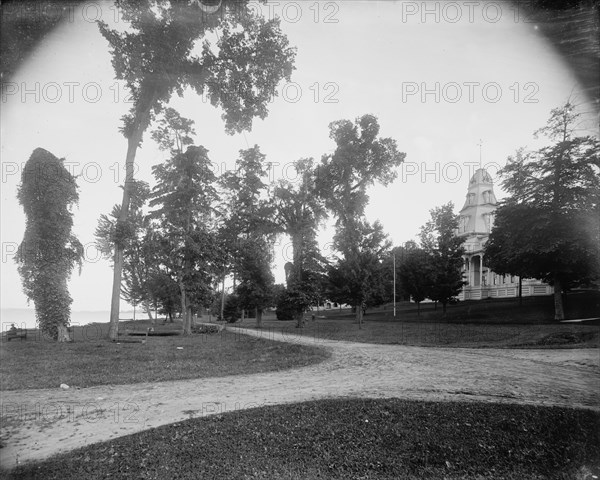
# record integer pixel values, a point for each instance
(394, 261)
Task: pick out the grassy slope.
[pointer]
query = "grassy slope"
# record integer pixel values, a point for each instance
(342, 439)
(38, 363)
(487, 323)
(442, 334)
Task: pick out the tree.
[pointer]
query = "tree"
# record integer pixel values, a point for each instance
(137, 253)
(155, 58)
(415, 275)
(358, 277)
(256, 280)
(360, 159)
(173, 132)
(249, 229)
(185, 226)
(549, 226)
(298, 212)
(49, 250)
(165, 293)
(445, 251)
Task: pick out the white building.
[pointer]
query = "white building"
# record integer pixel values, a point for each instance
(475, 224)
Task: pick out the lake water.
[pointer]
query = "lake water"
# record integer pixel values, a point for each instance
(25, 317)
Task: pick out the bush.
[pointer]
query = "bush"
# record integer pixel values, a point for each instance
(207, 328)
(285, 310)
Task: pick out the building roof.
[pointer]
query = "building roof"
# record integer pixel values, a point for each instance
(476, 216)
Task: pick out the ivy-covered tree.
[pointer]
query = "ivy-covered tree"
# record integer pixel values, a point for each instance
(228, 53)
(445, 251)
(49, 250)
(549, 226)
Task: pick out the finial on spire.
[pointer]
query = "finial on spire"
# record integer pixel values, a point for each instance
(480, 144)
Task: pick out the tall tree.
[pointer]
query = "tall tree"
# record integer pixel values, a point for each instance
(360, 160)
(49, 250)
(298, 211)
(549, 226)
(185, 196)
(156, 56)
(445, 252)
(249, 229)
(137, 255)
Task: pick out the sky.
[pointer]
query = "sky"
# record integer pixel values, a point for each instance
(456, 85)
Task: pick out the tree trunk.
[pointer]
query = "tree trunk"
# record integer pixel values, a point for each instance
(223, 298)
(63, 334)
(148, 310)
(444, 308)
(299, 316)
(559, 313)
(188, 321)
(132, 145)
(359, 316)
(297, 244)
(258, 313)
(186, 312)
(520, 291)
(418, 309)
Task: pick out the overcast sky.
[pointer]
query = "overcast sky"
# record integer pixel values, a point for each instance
(438, 76)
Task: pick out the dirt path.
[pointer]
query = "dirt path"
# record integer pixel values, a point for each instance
(39, 423)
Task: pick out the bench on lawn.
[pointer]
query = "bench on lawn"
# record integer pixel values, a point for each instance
(16, 333)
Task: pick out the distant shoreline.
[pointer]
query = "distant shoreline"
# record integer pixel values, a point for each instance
(25, 317)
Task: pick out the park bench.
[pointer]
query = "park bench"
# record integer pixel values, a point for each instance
(16, 333)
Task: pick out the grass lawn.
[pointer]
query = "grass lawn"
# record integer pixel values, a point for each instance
(93, 360)
(488, 323)
(440, 334)
(349, 439)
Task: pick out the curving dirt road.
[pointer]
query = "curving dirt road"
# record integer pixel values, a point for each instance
(39, 423)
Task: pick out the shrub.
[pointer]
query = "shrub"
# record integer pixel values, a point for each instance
(207, 328)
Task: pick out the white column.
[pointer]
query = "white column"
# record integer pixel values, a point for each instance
(471, 274)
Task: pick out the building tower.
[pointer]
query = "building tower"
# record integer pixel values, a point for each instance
(476, 219)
